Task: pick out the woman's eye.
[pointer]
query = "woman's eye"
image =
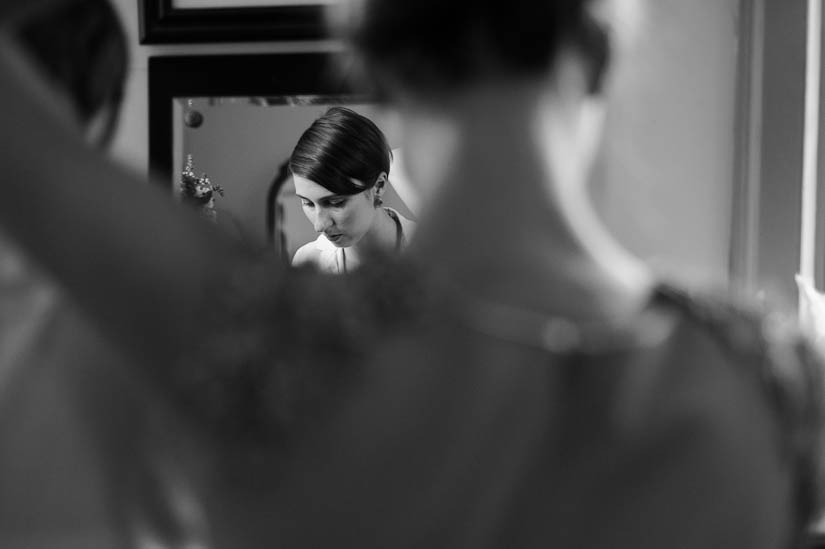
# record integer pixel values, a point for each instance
(306, 203)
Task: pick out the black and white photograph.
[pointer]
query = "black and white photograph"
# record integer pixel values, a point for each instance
(412, 274)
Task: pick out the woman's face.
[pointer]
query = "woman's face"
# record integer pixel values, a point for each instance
(343, 219)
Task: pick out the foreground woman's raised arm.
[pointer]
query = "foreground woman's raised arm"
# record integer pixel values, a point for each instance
(138, 263)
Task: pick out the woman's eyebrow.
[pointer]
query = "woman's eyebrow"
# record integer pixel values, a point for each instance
(323, 198)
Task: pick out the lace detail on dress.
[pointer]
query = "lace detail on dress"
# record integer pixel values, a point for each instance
(790, 369)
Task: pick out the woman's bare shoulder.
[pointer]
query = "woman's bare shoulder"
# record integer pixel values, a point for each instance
(308, 254)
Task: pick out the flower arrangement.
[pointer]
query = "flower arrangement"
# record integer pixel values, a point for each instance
(199, 191)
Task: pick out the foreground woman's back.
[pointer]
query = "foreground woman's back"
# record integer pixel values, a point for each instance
(695, 427)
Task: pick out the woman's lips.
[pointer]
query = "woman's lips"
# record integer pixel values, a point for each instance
(334, 237)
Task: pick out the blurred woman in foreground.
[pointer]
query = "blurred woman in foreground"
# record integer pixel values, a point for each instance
(48, 423)
(520, 381)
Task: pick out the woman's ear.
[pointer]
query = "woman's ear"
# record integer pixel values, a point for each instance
(381, 184)
(378, 189)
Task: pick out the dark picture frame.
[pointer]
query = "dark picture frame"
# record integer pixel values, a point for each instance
(163, 23)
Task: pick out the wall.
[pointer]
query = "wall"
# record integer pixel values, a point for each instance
(664, 182)
(664, 179)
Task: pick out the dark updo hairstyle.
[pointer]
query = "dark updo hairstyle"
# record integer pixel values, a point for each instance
(80, 46)
(339, 147)
(433, 44)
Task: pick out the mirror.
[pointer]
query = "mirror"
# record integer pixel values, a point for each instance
(243, 145)
(236, 120)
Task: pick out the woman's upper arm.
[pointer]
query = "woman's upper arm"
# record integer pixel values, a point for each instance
(305, 255)
(138, 263)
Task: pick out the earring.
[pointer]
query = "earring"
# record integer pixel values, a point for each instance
(378, 201)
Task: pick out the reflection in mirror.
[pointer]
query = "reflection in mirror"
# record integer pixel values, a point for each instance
(242, 144)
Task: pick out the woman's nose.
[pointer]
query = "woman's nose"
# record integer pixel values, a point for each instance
(323, 221)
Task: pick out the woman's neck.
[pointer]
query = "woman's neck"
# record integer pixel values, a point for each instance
(527, 234)
(381, 237)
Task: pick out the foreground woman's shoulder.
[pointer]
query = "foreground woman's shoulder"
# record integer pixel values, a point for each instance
(770, 349)
(765, 341)
(748, 329)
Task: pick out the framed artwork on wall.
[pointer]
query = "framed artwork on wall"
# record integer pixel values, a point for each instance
(190, 21)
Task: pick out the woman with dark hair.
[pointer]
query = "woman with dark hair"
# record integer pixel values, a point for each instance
(340, 168)
(516, 380)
